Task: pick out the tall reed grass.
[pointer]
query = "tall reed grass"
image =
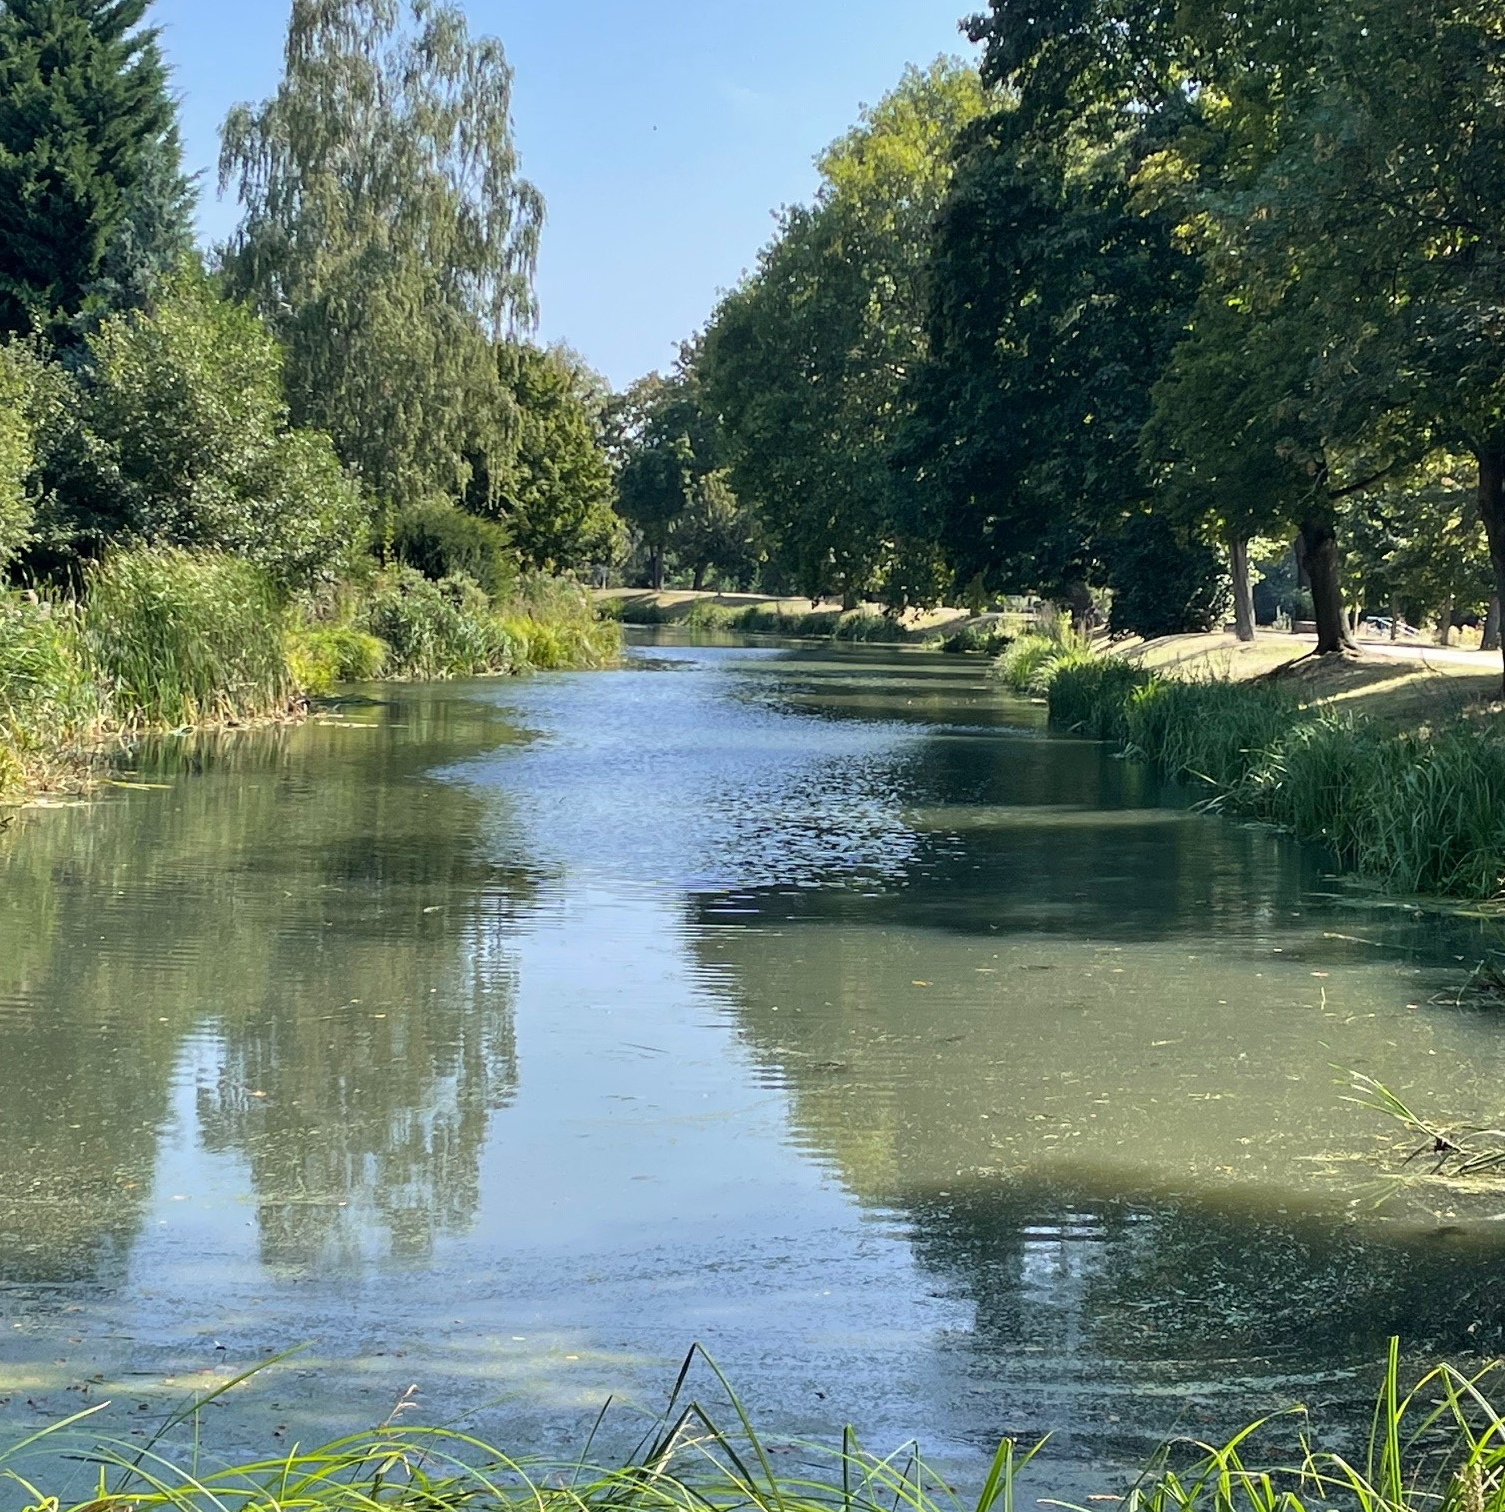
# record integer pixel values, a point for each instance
(177, 638)
(1437, 1447)
(1420, 811)
(166, 639)
(1028, 665)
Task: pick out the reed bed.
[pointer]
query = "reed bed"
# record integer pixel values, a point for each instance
(1437, 1447)
(169, 639)
(176, 638)
(1420, 811)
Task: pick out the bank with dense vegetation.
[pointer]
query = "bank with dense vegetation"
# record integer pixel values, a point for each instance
(325, 451)
(1417, 807)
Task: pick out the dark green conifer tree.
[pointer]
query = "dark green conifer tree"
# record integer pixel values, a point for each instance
(92, 195)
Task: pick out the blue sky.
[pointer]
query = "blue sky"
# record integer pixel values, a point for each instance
(663, 134)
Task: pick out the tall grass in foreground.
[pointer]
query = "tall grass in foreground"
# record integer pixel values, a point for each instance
(1439, 1447)
(1421, 811)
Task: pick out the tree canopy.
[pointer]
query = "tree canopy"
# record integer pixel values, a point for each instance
(389, 237)
(92, 196)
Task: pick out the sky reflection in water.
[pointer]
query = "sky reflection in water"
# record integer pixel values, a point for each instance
(810, 1003)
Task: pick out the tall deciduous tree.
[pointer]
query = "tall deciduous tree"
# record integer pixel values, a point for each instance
(556, 491)
(806, 362)
(92, 195)
(1055, 304)
(389, 236)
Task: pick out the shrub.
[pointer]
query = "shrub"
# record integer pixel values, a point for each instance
(177, 638)
(184, 441)
(320, 656)
(559, 627)
(1163, 583)
(1027, 665)
(442, 541)
(989, 639)
(865, 625)
(437, 629)
(1089, 695)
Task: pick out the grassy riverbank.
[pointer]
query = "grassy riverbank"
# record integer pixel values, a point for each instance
(171, 639)
(1439, 1447)
(1384, 762)
(803, 619)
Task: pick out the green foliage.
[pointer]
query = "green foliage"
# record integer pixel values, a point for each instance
(805, 362)
(92, 196)
(441, 541)
(1089, 695)
(989, 639)
(1027, 665)
(17, 456)
(1214, 731)
(1163, 583)
(321, 656)
(666, 442)
(556, 493)
(1055, 300)
(716, 537)
(182, 441)
(437, 629)
(47, 698)
(176, 638)
(389, 238)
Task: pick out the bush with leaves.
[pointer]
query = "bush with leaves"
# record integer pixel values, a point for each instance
(182, 439)
(437, 629)
(441, 541)
(1163, 582)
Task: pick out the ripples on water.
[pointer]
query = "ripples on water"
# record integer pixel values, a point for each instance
(810, 1003)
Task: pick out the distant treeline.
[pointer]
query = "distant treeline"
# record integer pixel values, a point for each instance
(1157, 289)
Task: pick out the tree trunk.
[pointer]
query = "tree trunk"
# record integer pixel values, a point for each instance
(1445, 622)
(656, 568)
(1317, 551)
(1491, 641)
(698, 586)
(1079, 597)
(1492, 513)
(1243, 594)
(1395, 619)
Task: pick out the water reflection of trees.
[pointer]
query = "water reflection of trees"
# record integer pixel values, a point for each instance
(1043, 1045)
(322, 924)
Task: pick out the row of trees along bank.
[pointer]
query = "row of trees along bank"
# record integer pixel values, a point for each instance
(1156, 283)
(344, 397)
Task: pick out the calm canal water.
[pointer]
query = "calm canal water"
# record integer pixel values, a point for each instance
(815, 1005)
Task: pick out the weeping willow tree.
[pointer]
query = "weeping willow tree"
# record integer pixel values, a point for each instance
(389, 237)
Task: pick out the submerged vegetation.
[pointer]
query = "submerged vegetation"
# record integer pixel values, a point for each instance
(1438, 1445)
(1419, 810)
